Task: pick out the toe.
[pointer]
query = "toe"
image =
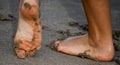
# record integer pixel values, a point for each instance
(24, 45)
(20, 53)
(55, 45)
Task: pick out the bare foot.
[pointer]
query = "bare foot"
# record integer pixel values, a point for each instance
(82, 46)
(28, 36)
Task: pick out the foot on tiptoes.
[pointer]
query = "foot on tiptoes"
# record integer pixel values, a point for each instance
(28, 37)
(82, 46)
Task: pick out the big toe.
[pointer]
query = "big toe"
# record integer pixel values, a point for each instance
(55, 45)
(20, 53)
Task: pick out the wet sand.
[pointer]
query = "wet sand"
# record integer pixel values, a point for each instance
(57, 16)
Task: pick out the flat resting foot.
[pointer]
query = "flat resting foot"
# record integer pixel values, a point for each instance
(81, 46)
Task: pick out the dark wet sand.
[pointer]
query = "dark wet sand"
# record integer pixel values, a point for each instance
(56, 15)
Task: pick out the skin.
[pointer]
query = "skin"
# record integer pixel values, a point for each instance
(97, 44)
(28, 37)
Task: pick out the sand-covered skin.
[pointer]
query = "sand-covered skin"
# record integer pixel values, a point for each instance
(116, 39)
(28, 36)
(55, 14)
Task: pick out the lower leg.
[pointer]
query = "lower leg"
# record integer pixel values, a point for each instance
(99, 24)
(98, 43)
(99, 19)
(28, 36)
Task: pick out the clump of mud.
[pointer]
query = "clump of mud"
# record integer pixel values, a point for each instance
(76, 24)
(46, 28)
(116, 35)
(9, 17)
(67, 33)
(64, 32)
(84, 27)
(116, 45)
(117, 60)
(116, 41)
(78, 34)
(73, 23)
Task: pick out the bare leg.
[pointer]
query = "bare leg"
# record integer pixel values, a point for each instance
(98, 44)
(28, 36)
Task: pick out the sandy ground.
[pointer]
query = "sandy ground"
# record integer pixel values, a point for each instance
(56, 14)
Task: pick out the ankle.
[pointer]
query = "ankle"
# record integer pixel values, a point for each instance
(100, 41)
(103, 46)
